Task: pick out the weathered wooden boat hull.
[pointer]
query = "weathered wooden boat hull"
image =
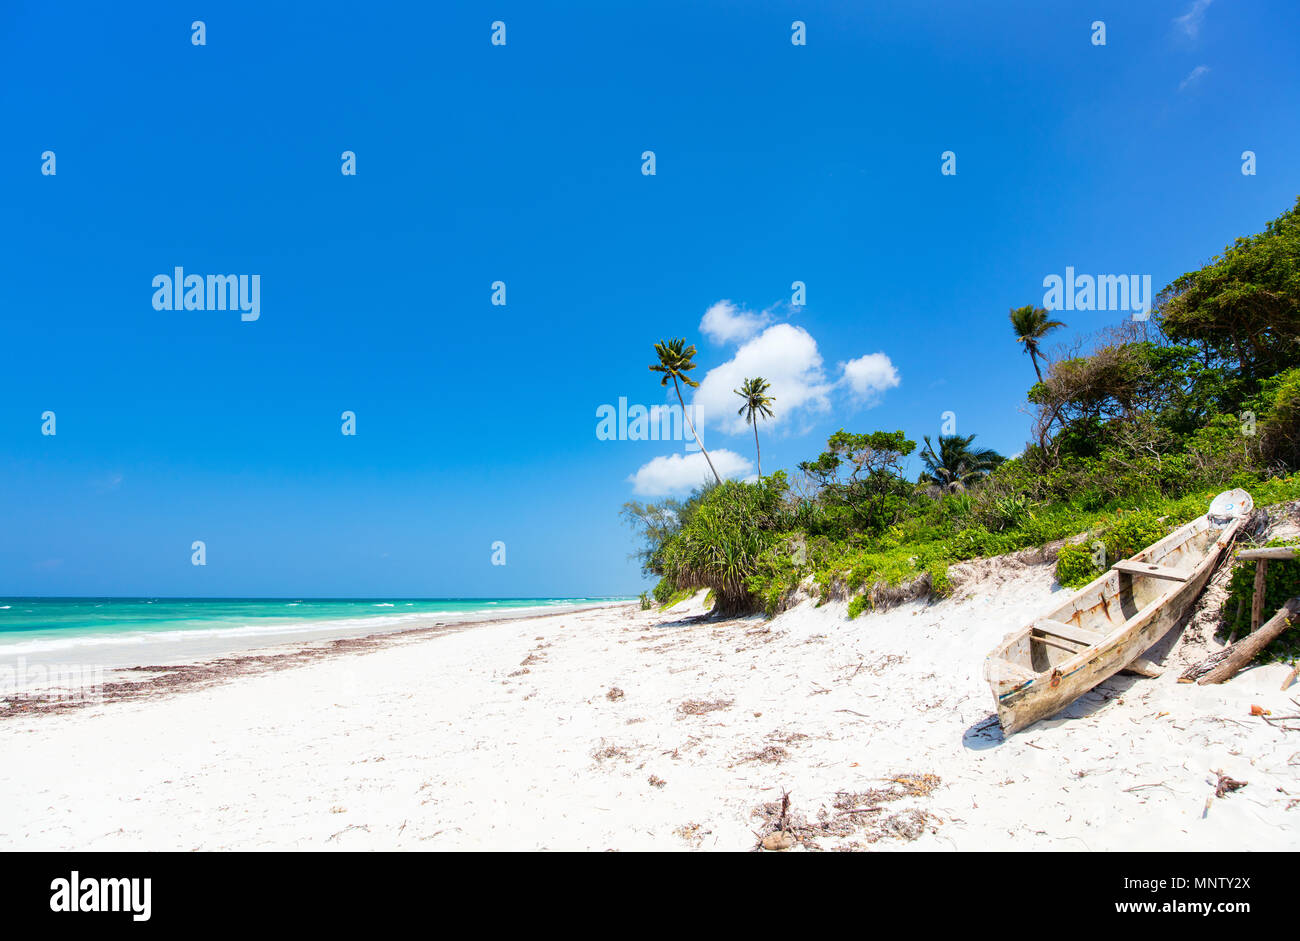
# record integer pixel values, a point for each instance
(1043, 667)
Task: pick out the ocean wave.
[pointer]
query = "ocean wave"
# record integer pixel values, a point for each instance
(357, 626)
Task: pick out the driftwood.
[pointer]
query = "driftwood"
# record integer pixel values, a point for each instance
(1226, 785)
(1281, 553)
(1226, 663)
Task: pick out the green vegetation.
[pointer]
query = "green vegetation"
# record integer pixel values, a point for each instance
(955, 466)
(1129, 441)
(1281, 582)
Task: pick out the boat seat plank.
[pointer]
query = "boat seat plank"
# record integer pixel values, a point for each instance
(1150, 570)
(1067, 631)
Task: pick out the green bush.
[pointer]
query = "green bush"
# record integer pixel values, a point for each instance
(1074, 566)
(1134, 531)
(734, 527)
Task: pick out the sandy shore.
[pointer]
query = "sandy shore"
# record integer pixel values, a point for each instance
(622, 729)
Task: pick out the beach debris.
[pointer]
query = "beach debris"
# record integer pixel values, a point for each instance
(1290, 677)
(855, 816)
(788, 738)
(1259, 711)
(775, 834)
(908, 826)
(1280, 722)
(698, 707)
(656, 781)
(691, 833)
(1226, 785)
(771, 755)
(775, 842)
(351, 826)
(614, 694)
(607, 752)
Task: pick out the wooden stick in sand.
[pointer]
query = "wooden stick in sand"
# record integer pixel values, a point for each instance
(1257, 602)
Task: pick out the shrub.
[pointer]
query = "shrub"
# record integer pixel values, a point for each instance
(722, 545)
(1134, 532)
(1074, 565)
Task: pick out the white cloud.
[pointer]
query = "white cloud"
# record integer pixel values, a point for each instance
(725, 322)
(787, 357)
(867, 377)
(1190, 22)
(681, 473)
(107, 483)
(1193, 76)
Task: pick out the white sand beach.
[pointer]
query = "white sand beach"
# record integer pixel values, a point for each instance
(617, 729)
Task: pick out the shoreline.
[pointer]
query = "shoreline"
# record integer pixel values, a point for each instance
(191, 669)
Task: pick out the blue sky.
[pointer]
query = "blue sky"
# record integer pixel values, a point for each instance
(522, 163)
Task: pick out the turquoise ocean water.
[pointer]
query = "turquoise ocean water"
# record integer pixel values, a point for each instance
(126, 628)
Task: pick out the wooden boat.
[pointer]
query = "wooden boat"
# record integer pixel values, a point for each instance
(1106, 626)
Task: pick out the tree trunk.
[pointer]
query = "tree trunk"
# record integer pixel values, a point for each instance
(757, 453)
(687, 416)
(1244, 650)
(1033, 358)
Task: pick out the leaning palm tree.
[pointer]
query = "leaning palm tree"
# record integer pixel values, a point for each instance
(1031, 325)
(676, 359)
(757, 405)
(956, 465)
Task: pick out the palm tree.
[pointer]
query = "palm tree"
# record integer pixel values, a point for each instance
(676, 359)
(1031, 325)
(956, 464)
(757, 404)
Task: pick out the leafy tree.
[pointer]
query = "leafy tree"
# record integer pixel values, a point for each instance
(1031, 325)
(659, 522)
(675, 361)
(757, 404)
(956, 465)
(1244, 306)
(862, 476)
